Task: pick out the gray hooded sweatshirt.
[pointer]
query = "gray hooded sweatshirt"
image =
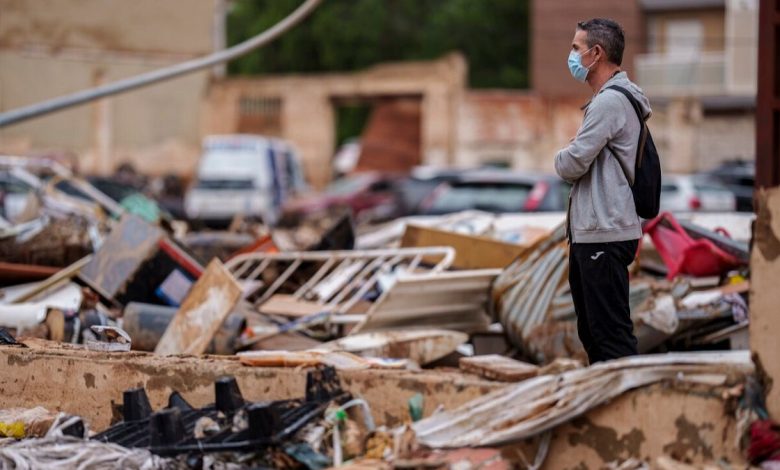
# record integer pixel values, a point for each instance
(601, 207)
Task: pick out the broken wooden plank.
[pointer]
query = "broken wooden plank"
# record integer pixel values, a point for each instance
(420, 346)
(473, 252)
(338, 359)
(58, 278)
(496, 367)
(288, 306)
(202, 312)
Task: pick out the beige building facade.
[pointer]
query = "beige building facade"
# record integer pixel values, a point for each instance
(700, 72)
(52, 48)
(301, 108)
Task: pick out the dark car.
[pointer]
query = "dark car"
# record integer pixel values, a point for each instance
(421, 183)
(371, 197)
(739, 176)
(499, 192)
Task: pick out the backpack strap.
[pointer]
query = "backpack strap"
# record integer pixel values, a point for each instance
(631, 100)
(642, 129)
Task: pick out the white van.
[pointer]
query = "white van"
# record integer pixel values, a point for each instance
(243, 174)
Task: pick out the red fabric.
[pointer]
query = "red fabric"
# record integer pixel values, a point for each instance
(684, 255)
(764, 441)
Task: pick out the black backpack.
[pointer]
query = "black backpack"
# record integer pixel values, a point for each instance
(647, 172)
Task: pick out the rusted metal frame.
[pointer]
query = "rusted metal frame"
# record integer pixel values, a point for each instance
(241, 264)
(366, 286)
(415, 263)
(446, 253)
(767, 103)
(368, 270)
(279, 281)
(260, 268)
(357, 265)
(324, 269)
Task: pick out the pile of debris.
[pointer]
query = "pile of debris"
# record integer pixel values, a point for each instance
(485, 293)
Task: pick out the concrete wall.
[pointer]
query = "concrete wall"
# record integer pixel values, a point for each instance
(690, 423)
(553, 24)
(764, 294)
(520, 129)
(51, 48)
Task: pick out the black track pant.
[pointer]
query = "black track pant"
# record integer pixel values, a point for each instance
(598, 276)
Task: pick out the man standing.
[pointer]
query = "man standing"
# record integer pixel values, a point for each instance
(602, 223)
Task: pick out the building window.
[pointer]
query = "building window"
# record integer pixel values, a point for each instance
(260, 115)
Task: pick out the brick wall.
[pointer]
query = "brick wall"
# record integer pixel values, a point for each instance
(553, 23)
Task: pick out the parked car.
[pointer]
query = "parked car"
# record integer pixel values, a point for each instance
(370, 196)
(739, 176)
(243, 174)
(498, 192)
(684, 193)
(421, 183)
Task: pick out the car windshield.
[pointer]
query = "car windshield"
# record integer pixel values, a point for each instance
(346, 186)
(490, 197)
(707, 185)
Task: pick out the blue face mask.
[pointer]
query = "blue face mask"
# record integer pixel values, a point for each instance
(578, 71)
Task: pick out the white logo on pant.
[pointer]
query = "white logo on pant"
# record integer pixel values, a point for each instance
(596, 256)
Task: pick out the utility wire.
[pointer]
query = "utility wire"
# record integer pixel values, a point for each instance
(167, 73)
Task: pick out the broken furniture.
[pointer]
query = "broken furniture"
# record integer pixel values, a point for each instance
(421, 346)
(138, 262)
(342, 285)
(333, 281)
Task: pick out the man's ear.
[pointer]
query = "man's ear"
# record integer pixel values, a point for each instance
(598, 53)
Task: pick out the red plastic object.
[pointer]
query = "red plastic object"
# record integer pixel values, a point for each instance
(684, 255)
(764, 441)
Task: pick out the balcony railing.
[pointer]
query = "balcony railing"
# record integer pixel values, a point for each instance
(670, 75)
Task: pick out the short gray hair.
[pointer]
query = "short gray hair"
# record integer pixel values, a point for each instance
(606, 33)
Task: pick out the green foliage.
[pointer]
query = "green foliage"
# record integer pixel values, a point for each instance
(350, 121)
(345, 35)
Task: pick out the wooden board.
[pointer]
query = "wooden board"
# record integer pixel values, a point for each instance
(288, 306)
(338, 359)
(495, 367)
(202, 312)
(472, 252)
(420, 346)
